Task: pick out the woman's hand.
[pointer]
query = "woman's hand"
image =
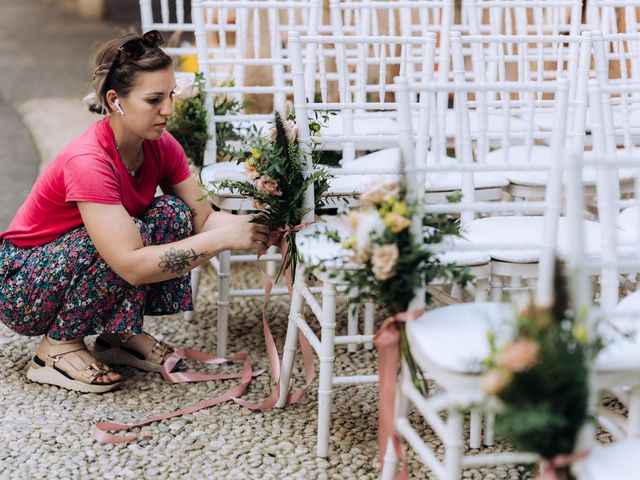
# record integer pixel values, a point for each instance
(241, 233)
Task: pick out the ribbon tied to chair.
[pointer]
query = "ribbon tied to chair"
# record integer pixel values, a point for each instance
(550, 467)
(387, 340)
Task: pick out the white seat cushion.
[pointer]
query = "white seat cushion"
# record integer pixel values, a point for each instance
(340, 185)
(541, 154)
(629, 221)
(520, 230)
(455, 337)
(314, 246)
(495, 122)
(615, 461)
(389, 159)
(622, 351)
(462, 258)
(373, 125)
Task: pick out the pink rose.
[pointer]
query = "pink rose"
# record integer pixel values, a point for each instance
(380, 191)
(518, 356)
(384, 260)
(494, 381)
(268, 186)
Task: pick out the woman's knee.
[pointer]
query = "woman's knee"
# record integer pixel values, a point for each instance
(171, 211)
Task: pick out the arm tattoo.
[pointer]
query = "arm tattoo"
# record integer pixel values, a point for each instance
(176, 261)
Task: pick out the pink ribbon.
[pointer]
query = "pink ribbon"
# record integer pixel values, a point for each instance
(101, 430)
(550, 467)
(387, 339)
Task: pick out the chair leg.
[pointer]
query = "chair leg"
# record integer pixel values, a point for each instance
(389, 463)
(195, 285)
(489, 422)
(353, 314)
(453, 446)
(291, 342)
(482, 290)
(271, 264)
(369, 318)
(224, 285)
(496, 288)
(633, 422)
(327, 350)
(475, 428)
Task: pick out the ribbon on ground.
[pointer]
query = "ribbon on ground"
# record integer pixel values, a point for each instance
(387, 340)
(101, 430)
(550, 467)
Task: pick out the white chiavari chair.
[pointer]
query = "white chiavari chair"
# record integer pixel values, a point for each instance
(541, 59)
(313, 249)
(613, 16)
(243, 41)
(448, 343)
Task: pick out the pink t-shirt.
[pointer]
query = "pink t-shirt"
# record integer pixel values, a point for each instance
(90, 170)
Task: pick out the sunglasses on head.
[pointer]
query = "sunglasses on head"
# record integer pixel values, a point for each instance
(135, 47)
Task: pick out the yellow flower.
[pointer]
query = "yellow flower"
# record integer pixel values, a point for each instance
(255, 153)
(250, 162)
(580, 333)
(401, 208)
(396, 222)
(350, 242)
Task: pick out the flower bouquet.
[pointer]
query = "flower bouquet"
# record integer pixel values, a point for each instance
(391, 262)
(541, 378)
(276, 184)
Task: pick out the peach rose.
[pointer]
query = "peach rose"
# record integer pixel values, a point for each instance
(268, 186)
(494, 381)
(380, 191)
(384, 260)
(518, 356)
(251, 171)
(258, 205)
(290, 131)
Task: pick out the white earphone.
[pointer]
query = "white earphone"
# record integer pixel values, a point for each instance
(118, 107)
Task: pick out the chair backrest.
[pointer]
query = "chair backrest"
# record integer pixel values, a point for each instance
(368, 102)
(468, 207)
(173, 20)
(258, 55)
(617, 67)
(613, 16)
(361, 98)
(522, 17)
(539, 59)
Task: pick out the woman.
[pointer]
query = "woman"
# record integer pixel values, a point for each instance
(92, 250)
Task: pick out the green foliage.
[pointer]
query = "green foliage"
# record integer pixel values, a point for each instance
(281, 161)
(188, 124)
(546, 404)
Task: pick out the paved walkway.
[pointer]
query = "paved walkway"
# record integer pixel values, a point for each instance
(44, 73)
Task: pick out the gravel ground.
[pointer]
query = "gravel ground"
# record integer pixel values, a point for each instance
(45, 431)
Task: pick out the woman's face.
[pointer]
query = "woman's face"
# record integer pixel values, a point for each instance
(149, 104)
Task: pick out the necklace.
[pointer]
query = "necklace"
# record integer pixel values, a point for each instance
(132, 172)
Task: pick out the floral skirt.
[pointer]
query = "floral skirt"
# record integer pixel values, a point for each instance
(66, 290)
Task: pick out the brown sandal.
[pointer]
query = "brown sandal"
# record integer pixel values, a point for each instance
(59, 364)
(115, 348)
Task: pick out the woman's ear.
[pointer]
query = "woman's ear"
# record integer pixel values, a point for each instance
(111, 96)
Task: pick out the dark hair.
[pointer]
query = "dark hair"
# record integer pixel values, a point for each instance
(123, 76)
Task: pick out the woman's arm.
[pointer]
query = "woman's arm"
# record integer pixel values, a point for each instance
(118, 241)
(204, 217)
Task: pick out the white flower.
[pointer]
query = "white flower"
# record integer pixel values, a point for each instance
(185, 88)
(230, 175)
(369, 222)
